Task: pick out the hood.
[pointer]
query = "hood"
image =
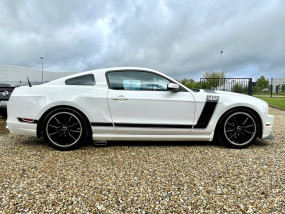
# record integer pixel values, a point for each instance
(241, 97)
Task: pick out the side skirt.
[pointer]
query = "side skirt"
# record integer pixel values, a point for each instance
(155, 137)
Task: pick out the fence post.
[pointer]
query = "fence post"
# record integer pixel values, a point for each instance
(250, 87)
(271, 87)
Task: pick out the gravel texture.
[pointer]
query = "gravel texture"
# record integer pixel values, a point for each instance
(143, 177)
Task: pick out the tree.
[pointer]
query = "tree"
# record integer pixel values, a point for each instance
(190, 83)
(214, 74)
(262, 83)
(213, 79)
(238, 88)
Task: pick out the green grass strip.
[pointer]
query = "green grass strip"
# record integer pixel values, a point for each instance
(274, 101)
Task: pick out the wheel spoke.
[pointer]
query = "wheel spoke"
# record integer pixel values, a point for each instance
(57, 120)
(74, 130)
(73, 125)
(233, 125)
(234, 119)
(56, 127)
(69, 119)
(233, 135)
(248, 126)
(245, 120)
(248, 132)
(55, 133)
(72, 137)
(230, 130)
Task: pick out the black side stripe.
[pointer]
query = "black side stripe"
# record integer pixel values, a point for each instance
(101, 124)
(144, 125)
(206, 114)
(154, 125)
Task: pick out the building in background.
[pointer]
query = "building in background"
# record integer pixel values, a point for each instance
(16, 75)
(277, 84)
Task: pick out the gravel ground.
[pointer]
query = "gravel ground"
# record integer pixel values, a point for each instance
(146, 177)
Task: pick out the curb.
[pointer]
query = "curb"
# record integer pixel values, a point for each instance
(282, 109)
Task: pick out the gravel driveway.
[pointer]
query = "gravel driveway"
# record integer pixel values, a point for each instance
(146, 177)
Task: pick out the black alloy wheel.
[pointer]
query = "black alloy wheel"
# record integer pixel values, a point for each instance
(65, 129)
(238, 129)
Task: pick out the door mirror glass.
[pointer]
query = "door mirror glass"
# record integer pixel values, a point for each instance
(173, 87)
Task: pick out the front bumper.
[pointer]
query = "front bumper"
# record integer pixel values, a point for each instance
(267, 126)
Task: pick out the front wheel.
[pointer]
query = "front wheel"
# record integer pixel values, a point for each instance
(65, 129)
(238, 129)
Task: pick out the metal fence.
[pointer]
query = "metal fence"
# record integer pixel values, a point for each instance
(237, 85)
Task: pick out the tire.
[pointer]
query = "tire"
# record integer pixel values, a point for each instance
(238, 128)
(65, 129)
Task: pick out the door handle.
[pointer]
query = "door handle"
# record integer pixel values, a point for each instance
(120, 98)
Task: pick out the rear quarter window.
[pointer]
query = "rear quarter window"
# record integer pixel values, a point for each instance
(87, 79)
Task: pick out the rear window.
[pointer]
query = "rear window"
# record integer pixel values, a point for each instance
(87, 79)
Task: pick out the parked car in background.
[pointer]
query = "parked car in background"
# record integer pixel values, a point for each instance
(5, 93)
(132, 103)
(265, 90)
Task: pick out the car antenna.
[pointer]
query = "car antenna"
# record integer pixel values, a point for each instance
(30, 85)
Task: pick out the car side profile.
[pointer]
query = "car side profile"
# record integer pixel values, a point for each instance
(130, 103)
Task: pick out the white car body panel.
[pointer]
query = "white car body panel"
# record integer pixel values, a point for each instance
(148, 107)
(153, 115)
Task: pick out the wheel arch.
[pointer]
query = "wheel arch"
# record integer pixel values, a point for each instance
(246, 109)
(39, 125)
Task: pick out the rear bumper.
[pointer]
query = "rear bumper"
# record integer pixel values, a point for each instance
(267, 127)
(22, 128)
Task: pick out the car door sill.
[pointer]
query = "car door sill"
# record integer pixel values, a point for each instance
(154, 137)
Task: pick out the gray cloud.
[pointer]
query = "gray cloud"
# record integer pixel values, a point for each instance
(180, 38)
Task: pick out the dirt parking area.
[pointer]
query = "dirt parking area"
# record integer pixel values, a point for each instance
(143, 177)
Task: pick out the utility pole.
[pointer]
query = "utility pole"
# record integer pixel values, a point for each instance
(42, 68)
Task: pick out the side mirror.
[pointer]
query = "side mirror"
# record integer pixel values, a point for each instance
(173, 87)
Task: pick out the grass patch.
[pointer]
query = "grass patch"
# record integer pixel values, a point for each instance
(274, 101)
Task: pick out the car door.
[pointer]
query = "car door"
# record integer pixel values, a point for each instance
(141, 104)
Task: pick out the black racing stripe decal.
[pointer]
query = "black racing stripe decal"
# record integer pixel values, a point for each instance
(24, 121)
(131, 125)
(206, 114)
(174, 126)
(101, 124)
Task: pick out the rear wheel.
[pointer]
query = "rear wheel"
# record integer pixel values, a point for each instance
(65, 129)
(238, 129)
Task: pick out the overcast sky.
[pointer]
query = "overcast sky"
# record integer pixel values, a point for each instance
(177, 37)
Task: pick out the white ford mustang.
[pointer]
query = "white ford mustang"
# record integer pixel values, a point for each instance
(131, 103)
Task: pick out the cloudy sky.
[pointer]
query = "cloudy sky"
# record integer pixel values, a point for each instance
(182, 38)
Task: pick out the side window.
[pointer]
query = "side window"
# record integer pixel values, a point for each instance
(87, 79)
(137, 80)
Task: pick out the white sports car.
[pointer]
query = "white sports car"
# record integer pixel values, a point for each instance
(130, 103)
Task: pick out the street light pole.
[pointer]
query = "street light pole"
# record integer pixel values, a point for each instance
(221, 61)
(42, 68)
